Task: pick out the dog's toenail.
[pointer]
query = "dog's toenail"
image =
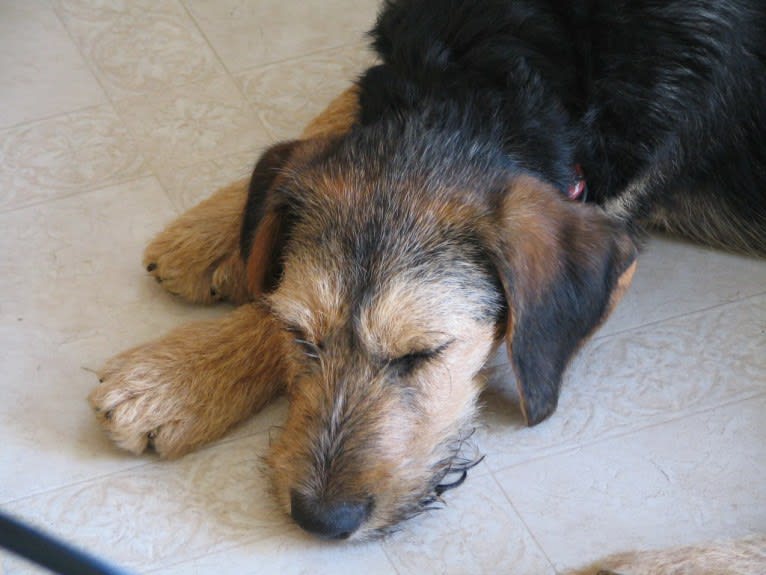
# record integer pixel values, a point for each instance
(101, 380)
(158, 280)
(213, 292)
(152, 434)
(151, 267)
(108, 415)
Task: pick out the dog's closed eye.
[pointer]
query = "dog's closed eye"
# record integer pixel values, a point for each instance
(408, 363)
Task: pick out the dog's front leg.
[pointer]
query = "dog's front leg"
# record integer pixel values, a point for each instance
(191, 386)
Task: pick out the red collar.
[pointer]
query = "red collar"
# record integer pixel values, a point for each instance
(578, 190)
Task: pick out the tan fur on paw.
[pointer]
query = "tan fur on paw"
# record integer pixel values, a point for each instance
(191, 386)
(197, 255)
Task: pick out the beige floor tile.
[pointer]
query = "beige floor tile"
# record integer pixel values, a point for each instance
(189, 185)
(675, 277)
(193, 123)
(139, 46)
(294, 553)
(689, 481)
(165, 512)
(13, 565)
(635, 379)
(477, 532)
(288, 95)
(43, 72)
(246, 33)
(64, 155)
(75, 293)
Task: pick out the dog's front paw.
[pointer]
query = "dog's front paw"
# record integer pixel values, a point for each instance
(195, 266)
(143, 402)
(197, 256)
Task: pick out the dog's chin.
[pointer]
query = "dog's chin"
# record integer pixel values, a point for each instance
(450, 473)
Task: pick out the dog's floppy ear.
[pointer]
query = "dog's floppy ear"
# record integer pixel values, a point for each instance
(563, 266)
(266, 220)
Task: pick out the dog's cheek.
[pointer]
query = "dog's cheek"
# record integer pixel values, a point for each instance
(453, 385)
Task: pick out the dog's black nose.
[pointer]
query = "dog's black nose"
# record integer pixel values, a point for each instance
(336, 520)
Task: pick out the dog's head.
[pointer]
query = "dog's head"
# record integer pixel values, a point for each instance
(399, 260)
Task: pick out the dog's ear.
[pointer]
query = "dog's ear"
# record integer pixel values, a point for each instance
(265, 223)
(268, 213)
(563, 266)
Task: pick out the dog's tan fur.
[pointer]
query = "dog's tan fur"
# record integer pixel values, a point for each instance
(192, 385)
(197, 255)
(741, 557)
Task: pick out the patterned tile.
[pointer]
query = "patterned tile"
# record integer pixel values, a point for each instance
(245, 33)
(477, 532)
(194, 123)
(294, 553)
(64, 155)
(675, 277)
(635, 379)
(685, 482)
(13, 565)
(165, 512)
(190, 185)
(43, 73)
(139, 46)
(288, 95)
(75, 293)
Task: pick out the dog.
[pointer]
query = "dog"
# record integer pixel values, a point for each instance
(745, 556)
(488, 183)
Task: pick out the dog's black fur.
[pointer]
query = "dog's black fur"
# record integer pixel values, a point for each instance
(662, 102)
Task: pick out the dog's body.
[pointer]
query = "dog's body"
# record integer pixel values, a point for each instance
(425, 217)
(660, 103)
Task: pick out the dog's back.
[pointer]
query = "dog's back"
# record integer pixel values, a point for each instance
(661, 103)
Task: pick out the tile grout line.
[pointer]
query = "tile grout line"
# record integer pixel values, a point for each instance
(271, 62)
(519, 514)
(596, 441)
(41, 119)
(227, 72)
(223, 549)
(89, 67)
(154, 462)
(679, 316)
(523, 522)
(88, 190)
(232, 76)
(85, 59)
(111, 103)
(291, 59)
(388, 558)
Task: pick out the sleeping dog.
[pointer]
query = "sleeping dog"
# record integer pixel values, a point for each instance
(488, 183)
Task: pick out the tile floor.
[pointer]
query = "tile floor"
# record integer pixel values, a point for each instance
(115, 115)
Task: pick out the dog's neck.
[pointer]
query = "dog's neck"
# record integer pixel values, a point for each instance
(474, 115)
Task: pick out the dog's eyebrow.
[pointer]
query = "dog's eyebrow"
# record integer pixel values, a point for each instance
(427, 352)
(420, 343)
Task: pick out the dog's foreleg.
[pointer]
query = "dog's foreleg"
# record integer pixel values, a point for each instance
(189, 387)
